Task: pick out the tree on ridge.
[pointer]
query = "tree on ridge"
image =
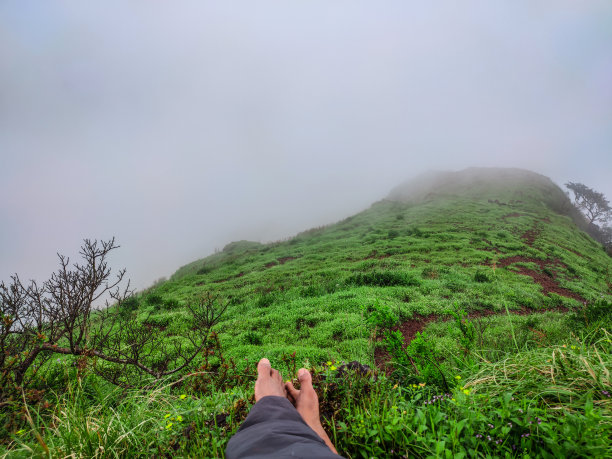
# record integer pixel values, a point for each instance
(593, 204)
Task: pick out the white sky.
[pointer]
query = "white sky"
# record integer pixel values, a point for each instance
(180, 126)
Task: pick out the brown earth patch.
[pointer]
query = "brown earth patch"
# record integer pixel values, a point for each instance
(279, 261)
(492, 247)
(530, 236)
(408, 329)
(411, 327)
(284, 260)
(549, 284)
(513, 215)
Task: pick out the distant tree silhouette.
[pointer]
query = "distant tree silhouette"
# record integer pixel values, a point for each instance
(593, 204)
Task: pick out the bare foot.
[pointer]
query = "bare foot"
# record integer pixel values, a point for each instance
(306, 403)
(269, 381)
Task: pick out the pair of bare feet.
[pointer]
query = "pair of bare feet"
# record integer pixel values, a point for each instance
(305, 400)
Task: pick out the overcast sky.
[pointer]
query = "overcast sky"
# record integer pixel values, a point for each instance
(180, 126)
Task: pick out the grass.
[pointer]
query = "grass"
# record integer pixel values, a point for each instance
(533, 354)
(548, 401)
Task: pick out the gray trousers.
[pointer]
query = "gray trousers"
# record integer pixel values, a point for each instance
(274, 429)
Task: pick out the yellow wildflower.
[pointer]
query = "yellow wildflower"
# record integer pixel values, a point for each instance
(167, 416)
(466, 391)
(183, 396)
(458, 377)
(169, 426)
(422, 384)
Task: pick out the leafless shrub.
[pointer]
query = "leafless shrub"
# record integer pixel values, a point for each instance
(59, 317)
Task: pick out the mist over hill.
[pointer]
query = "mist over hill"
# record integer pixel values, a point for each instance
(525, 187)
(474, 181)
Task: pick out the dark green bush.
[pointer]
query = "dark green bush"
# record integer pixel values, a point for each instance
(265, 300)
(130, 304)
(204, 270)
(171, 303)
(482, 276)
(154, 299)
(385, 278)
(381, 316)
(416, 232)
(252, 337)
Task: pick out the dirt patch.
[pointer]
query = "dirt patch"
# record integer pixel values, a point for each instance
(410, 328)
(491, 247)
(375, 254)
(530, 236)
(382, 359)
(549, 284)
(548, 281)
(283, 260)
(513, 215)
(279, 261)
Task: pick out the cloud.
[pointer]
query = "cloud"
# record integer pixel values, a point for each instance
(181, 128)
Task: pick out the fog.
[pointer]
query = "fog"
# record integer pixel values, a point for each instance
(178, 127)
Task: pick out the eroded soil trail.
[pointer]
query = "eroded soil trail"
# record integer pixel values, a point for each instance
(409, 328)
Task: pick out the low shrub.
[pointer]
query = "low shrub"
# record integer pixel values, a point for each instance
(386, 278)
(482, 276)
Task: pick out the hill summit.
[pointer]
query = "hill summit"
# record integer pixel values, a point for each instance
(474, 182)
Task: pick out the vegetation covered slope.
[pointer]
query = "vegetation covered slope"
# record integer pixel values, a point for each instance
(482, 244)
(479, 305)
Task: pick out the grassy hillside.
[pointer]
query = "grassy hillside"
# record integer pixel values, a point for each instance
(481, 246)
(500, 301)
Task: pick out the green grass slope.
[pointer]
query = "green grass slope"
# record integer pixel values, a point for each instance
(480, 239)
(481, 308)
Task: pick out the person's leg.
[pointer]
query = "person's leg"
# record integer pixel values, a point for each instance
(306, 402)
(274, 427)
